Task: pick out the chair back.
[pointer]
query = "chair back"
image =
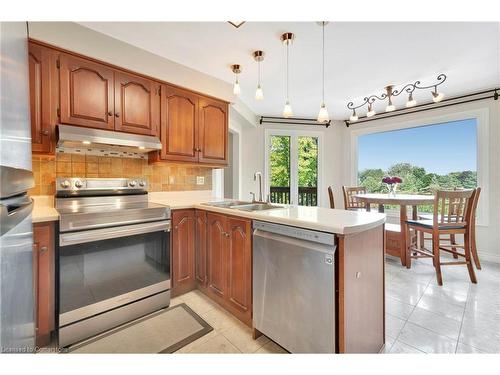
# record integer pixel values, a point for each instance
(350, 201)
(475, 200)
(330, 195)
(452, 208)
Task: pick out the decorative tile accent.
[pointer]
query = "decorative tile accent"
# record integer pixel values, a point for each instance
(161, 176)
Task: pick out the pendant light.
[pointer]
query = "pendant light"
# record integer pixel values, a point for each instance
(287, 39)
(236, 68)
(371, 112)
(323, 112)
(411, 102)
(259, 57)
(437, 97)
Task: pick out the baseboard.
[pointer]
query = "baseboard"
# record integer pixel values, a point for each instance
(488, 256)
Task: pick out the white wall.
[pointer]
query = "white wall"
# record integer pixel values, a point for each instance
(77, 38)
(488, 232)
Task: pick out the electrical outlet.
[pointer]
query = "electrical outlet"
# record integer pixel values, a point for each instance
(200, 180)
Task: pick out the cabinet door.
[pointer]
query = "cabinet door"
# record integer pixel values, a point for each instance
(179, 128)
(86, 91)
(239, 265)
(44, 269)
(183, 237)
(213, 128)
(137, 104)
(42, 107)
(216, 240)
(201, 247)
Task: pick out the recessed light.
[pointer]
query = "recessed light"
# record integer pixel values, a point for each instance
(142, 148)
(86, 142)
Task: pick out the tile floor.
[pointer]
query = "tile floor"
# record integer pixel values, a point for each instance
(421, 317)
(458, 317)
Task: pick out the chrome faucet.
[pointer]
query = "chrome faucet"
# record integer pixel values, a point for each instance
(259, 174)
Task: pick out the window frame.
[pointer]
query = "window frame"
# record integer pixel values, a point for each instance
(294, 136)
(481, 116)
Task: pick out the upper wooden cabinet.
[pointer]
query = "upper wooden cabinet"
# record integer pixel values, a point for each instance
(86, 92)
(43, 98)
(137, 104)
(213, 129)
(179, 125)
(70, 89)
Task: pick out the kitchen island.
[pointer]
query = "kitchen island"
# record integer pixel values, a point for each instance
(359, 262)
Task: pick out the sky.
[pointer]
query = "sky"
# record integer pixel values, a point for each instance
(439, 148)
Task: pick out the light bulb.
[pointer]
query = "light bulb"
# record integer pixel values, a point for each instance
(437, 97)
(259, 94)
(236, 88)
(354, 116)
(371, 112)
(287, 111)
(390, 107)
(323, 114)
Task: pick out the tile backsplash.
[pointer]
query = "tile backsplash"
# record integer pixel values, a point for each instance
(161, 176)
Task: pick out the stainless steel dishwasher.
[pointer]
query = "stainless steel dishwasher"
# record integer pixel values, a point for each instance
(294, 287)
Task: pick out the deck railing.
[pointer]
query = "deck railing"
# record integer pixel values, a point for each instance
(308, 196)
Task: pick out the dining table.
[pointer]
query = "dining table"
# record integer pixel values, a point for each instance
(403, 201)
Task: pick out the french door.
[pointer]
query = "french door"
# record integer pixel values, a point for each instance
(293, 167)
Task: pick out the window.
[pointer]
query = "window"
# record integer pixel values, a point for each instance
(292, 167)
(439, 156)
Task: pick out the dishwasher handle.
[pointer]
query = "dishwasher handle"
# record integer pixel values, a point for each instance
(294, 242)
(294, 232)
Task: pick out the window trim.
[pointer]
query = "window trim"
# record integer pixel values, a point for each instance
(482, 156)
(293, 134)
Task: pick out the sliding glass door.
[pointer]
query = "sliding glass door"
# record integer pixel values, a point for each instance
(293, 167)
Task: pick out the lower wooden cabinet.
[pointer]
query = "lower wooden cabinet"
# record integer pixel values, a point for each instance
(213, 252)
(229, 264)
(44, 281)
(183, 251)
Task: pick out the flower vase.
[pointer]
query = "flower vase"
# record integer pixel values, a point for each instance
(392, 189)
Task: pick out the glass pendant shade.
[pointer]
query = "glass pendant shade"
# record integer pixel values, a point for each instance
(287, 110)
(259, 94)
(236, 88)
(371, 112)
(354, 117)
(323, 114)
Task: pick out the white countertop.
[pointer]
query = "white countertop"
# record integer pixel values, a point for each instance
(43, 209)
(315, 218)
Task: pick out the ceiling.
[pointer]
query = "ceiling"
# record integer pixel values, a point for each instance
(361, 58)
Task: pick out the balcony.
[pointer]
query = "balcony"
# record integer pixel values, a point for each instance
(308, 195)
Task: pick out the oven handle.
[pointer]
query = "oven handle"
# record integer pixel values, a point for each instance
(67, 239)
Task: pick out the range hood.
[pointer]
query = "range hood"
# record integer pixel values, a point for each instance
(78, 137)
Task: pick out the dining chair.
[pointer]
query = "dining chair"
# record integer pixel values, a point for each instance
(452, 215)
(451, 238)
(350, 201)
(330, 195)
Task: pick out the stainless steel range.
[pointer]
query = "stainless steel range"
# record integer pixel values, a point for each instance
(114, 255)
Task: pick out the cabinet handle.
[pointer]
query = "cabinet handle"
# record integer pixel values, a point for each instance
(176, 227)
(110, 113)
(117, 114)
(43, 249)
(45, 132)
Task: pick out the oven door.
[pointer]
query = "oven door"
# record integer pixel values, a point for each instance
(102, 269)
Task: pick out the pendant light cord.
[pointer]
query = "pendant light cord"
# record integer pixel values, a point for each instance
(323, 66)
(287, 68)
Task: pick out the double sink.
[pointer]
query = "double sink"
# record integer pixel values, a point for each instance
(243, 205)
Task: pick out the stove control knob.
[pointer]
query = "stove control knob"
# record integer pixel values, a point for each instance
(132, 183)
(142, 183)
(78, 183)
(65, 184)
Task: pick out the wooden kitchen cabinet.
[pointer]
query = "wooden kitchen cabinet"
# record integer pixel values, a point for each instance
(44, 281)
(43, 97)
(201, 248)
(86, 93)
(137, 104)
(183, 251)
(229, 268)
(213, 131)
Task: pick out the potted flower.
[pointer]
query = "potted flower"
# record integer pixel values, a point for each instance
(392, 184)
